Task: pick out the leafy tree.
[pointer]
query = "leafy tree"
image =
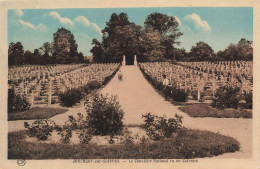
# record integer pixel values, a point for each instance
(167, 26)
(241, 51)
(164, 24)
(245, 49)
(15, 54)
(64, 46)
(151, 44)
(46, 49)
(180, 54)
(121, 37)
(98, 51)
(81, 57)
(28, 57)
(37, 56)
(201, 51)
(115, 20)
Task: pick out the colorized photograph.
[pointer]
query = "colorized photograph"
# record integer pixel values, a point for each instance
(130, 83)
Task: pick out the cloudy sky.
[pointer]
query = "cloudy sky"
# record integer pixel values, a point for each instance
(216, 26)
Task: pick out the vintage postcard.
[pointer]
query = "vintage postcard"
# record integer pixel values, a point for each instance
(138, 84)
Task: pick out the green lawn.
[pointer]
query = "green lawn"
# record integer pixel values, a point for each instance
(188, 144)
(205, 110)
(36, 113)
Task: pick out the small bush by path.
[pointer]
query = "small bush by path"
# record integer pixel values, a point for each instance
(205, 110)
(36, 113)
(70, 97)
(16, 103)
(226, 97)
(188, 144)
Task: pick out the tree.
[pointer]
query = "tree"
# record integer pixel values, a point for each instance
(201, 51)
(121, 37)
(46, 49)
(151, 45)
(180, 54)
(115, 20)
(241, 51)
(98, 51)
(64, 46)
(37, 56)
(28, 57)
(167, 26)
(81, 57)
(245, 49)
(15, 54)
(164, 24)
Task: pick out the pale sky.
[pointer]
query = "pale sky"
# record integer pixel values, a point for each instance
(218, 27)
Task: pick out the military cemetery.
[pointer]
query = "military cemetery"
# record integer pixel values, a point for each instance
(139, 96)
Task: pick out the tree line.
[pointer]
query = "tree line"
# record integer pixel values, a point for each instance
(62, 50)
(157, 40)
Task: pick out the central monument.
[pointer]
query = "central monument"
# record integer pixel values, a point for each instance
(135, 61)
(124, 61)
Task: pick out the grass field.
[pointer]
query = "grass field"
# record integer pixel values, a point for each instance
(205, 110)
(188, 144)
(36, 113)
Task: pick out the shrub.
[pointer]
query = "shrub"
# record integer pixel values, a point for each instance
(85, 136)
(93, 85)
(65, 134)
(159, 127)
(249, 100)
(106, 80)
(70, 97)
(40, 128)
(226, 97)
(77, 123)
(179, 95)
(16, 103)
(105, 116)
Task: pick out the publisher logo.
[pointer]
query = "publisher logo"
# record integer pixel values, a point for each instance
(21, 162)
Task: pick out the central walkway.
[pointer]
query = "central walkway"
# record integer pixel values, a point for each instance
(137, 97)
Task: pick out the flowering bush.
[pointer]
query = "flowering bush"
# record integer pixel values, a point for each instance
(159, 127)
(41, 129)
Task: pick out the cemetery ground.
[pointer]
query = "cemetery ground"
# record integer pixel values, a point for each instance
(36, 113)
(201, 136)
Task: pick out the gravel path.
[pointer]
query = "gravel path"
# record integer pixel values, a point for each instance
(59, 119)
(138, 97)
